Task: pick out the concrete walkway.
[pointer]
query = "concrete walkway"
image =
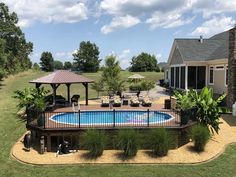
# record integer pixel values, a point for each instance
(182, 155)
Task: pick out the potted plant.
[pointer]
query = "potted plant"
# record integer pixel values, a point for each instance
(186, 105)
(40, 106)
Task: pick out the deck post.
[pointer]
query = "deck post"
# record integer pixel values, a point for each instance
(48, 143)
(148, 117)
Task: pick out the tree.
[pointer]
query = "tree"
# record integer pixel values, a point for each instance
(47, 61)
(58, 65)
(3, 58)
(98, 87)
(143, 62)
(16, 50)
(111, 75)
(36, 67)
(87, 57)
(67, 65)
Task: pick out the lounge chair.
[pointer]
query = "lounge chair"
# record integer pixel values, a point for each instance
(74, 99)
(134, 101)
(105, 101)
(146, 101)
(117, 101)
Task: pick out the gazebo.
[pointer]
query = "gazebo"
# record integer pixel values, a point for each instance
(59, 77)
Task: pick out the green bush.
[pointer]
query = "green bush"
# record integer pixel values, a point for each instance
(95, 141)
(159, 141)
(208, 109)
(128, 142)
(200, 136)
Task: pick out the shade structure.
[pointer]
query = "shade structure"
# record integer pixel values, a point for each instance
(136, 76)
(63, 77)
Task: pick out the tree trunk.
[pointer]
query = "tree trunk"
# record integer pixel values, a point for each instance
(232, 68)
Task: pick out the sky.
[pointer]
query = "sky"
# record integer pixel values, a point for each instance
(124, 28)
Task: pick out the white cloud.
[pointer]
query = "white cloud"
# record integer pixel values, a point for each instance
(53, 11)
(214, 25)
(137, 7)
(167, 20)
(120, 23)
(124, 58)
(156, 13)
(213, 7)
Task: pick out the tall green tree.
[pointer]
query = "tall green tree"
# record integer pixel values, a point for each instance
(87, 57)
(58, 65)
(17, 49)
(67, 65)
(46, 61)
(3, 58)
(111, 75)
(143, 62)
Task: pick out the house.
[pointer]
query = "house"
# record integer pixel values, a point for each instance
(196, 63)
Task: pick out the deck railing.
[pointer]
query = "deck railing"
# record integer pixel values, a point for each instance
(107, 119)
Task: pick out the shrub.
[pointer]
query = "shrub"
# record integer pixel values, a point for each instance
(159, 141)
(95, 141)
(128, 142)
(208, 109)
(200, 136)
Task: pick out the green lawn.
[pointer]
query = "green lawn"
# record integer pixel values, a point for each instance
(11, 128)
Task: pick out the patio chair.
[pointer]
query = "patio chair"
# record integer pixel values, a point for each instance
(74, 99)
(134, 101)
(146, 101)
(105, 101)
(117, 101)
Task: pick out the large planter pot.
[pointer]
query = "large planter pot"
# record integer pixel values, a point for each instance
(41, 119)
(194, 114)
(185, 116)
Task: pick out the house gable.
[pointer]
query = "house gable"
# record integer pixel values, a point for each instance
(176, 57)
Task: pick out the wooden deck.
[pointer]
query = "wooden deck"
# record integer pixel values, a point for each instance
(53, 125)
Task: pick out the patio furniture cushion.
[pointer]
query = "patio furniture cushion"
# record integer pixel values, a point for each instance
(105, 101)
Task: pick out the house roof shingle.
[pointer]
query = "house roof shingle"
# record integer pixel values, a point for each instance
(212, 48)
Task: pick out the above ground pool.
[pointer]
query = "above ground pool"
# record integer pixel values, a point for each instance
(109, 117)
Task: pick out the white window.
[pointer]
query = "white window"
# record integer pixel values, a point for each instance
(211, 75)
(226, 75)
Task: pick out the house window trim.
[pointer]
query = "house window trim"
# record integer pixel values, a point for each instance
(226, 68)
(213, 68)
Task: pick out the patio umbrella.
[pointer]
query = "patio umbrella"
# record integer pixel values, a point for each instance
(136, 76)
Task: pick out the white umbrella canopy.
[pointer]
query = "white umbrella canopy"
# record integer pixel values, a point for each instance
(136, 76)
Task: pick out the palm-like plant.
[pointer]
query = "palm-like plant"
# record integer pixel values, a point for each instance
(208, 109)
(31, 97)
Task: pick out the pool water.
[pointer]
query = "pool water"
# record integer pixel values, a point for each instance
(108, 117)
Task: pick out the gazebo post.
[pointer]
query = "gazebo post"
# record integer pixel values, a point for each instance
(54, 93)
(68, 92)
(54, 87)
(86, 92)
(37, 85)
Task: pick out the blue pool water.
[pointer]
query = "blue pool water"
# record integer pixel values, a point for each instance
(107, 117)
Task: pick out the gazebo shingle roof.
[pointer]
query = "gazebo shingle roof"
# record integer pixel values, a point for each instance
(62, 77)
